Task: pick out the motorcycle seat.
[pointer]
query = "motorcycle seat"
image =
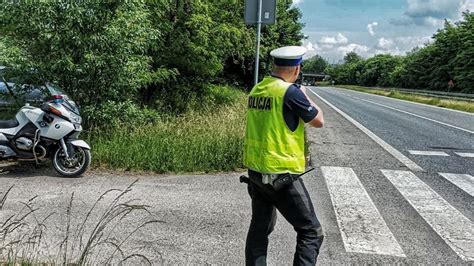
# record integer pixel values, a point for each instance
(9, 123)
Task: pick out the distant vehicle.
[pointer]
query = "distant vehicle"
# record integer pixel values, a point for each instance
(12, 93)
(32, 95)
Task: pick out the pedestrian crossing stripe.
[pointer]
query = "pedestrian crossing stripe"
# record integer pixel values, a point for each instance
(450, 224)
(363, 229)
(465, 154)
(462, 181)
(429, 153)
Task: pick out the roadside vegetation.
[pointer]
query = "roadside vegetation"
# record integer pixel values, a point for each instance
(161, 84)
(205, 140)
(444, 64)
(465, 106)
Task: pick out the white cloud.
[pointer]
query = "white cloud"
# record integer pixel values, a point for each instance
(371, 27)
(296, 2)
(385, 44)
(366, 48)
(412, 41)
(466, 5)
(435, 22)
(394, 51)
(353, 47)
(327, 40)
(312, 46)
(313, 49)
(339, 39)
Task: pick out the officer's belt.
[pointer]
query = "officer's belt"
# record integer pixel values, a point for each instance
(277, 181)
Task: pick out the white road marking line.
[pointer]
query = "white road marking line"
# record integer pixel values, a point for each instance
(394, 152)
(362, 228)
(395, 99)
(419, 116)
(428, 153)
(450, 224)
(465, 154)
(462, 181)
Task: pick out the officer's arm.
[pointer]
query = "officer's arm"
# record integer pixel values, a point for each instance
(318, 121)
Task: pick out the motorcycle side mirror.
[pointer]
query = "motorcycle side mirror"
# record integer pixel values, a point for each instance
(45, 107)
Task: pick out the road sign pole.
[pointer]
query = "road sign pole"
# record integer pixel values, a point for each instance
(259, 29)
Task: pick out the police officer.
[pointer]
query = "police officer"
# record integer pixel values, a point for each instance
(274, 148)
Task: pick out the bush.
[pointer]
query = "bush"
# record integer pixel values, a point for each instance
(207, 140)
(190, 143)
(221, 95)
(190, 97)
(111, 115)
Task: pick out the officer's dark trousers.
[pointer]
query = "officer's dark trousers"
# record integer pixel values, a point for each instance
(294, 203)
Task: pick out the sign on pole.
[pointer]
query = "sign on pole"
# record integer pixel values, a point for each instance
(268, 12)
(259, 12)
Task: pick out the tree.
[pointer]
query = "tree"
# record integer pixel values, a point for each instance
(377, 70)
(95, 50)
(444, 64)
(286, 31)
(352, 57)
(447, 60)
(349, 71)
(161, 53)
(463, 62)
(315, 65)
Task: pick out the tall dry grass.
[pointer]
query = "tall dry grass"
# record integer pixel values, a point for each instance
(100, 237)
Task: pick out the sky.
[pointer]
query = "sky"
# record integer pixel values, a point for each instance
(368, 27)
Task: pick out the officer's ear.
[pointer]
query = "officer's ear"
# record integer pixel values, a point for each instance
(297, 70)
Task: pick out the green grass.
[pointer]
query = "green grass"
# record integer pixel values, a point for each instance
(323, 83)
(206, 141)
(465, 106)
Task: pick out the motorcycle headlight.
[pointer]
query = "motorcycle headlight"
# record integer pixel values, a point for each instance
(76, 119)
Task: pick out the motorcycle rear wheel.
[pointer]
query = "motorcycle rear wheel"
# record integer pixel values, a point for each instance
(76, 166)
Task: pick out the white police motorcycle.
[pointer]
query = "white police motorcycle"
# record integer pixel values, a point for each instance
(51, 131)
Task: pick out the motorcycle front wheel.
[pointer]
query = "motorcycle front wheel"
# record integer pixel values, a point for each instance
(74, 166)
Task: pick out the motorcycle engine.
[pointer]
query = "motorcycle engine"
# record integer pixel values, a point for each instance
(23, 143)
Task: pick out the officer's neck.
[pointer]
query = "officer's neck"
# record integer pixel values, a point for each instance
(285, 77)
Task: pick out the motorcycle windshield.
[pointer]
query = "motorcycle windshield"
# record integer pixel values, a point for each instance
(54, 90)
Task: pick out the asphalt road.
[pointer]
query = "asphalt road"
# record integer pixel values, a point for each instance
(411, 129)
(428, 216)
(373, 208)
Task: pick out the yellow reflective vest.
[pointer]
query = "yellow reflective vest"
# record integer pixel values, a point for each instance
(270, 146)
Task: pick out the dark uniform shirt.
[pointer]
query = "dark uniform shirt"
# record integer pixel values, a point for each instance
(297, 106)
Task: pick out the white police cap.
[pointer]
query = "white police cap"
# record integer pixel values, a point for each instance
(288, 55)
